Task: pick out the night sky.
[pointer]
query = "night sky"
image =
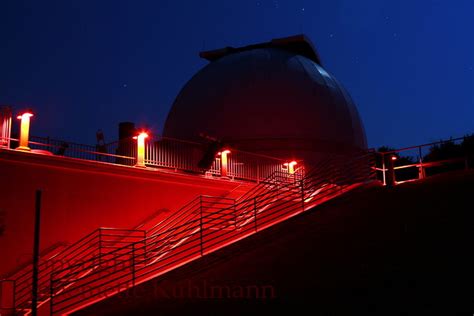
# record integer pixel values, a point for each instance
(84, 65)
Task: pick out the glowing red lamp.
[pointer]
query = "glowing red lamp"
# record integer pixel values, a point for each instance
(224, 161)
(141, 149)
(141, 135)
(24, 115)
(24, 129)
(291, 166)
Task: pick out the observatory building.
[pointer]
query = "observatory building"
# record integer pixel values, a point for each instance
(273, 98)
(253, 139)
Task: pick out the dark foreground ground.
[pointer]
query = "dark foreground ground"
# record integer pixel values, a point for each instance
(375, 251)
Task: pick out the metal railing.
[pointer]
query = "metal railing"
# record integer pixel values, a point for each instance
(94, 246)
(415, 162)
(166, 153)
(185, 156)
(55, 147)
(202, 226)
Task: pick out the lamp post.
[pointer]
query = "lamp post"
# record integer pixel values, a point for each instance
(24, 130)
(391, 181)
(291, 166)
(141, 149)
(224, 162)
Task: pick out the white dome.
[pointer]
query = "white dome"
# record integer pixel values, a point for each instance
(273, 98)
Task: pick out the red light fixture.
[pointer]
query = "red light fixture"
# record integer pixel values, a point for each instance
(291, 166)
(141, 135)
(25, 114)
(224, 161)
(394, 157)
(24, 129)
(225, 152)
(141, 149)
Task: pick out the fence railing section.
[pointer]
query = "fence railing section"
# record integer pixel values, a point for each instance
(50, 146)
(418, 162)
(173, 154)
(185, 156)
(166, 153)
(94, 246)
(204, 225)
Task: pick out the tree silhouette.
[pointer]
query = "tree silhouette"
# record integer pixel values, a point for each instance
(450, 150)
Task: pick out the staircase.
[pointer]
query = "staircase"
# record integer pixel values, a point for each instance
(121, 259)
(77, 259)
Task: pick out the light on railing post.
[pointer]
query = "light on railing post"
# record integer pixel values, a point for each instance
(391, 181)
(224, 162)
(141, 149)
(384, 170)
(24, 130)
(421, 171)
(291, 166)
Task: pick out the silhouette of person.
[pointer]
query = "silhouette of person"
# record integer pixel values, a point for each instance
(61, 151)
(210, 154)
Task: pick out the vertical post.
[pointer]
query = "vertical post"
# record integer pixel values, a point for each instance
(144, 247)
(200, 223)
(391, 181)
(36, 243)
(291, 167)
(302, 195)
(100, 247)
(14, 293)
(277, 189)
(141, 150)
(421, 170)
(51, 294)
(235, 216)
(383, 170)
(224, 162)
(133, 264)
(255, 213)
(258, 173)
(5, 126)
(24, 130)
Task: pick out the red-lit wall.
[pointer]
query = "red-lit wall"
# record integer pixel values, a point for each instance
(80, 196)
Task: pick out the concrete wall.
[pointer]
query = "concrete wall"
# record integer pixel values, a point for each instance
(80, 196)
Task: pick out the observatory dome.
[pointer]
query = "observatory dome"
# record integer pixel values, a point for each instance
(273, 98)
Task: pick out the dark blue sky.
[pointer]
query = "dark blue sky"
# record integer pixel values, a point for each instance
(84, 65)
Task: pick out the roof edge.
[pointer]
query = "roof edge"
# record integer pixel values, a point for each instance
(299, 44)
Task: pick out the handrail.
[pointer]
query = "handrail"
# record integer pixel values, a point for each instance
(71, 257)
(422, 158)
(156, 236)
(205, 230)
(167, 153)
(431, 163)
(424, 145)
